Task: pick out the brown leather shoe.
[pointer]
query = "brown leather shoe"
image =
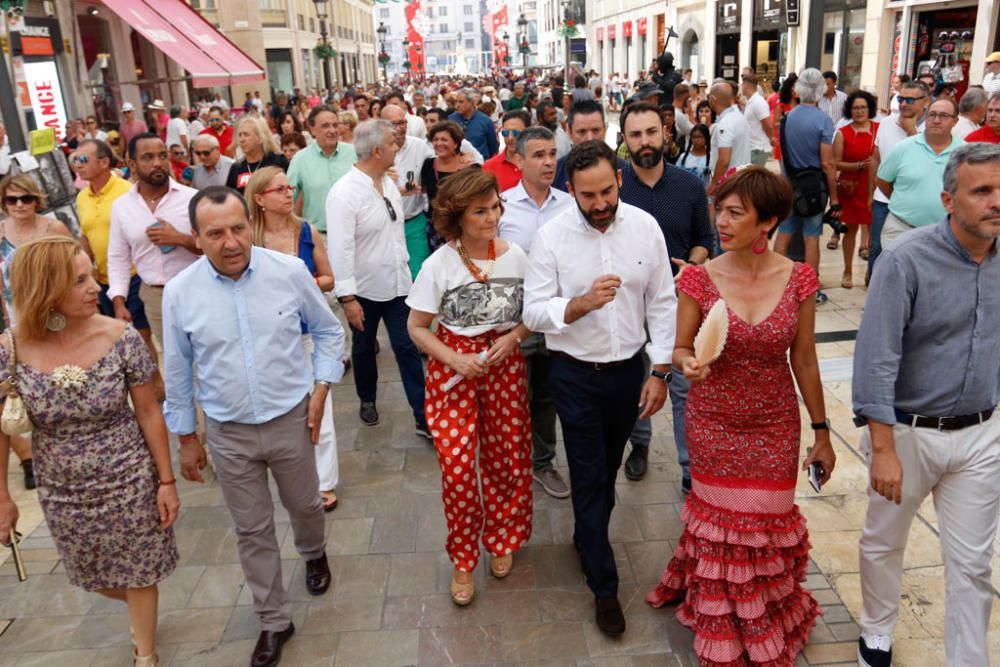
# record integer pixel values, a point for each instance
(609, 616)
(267, 652)
(317, 575)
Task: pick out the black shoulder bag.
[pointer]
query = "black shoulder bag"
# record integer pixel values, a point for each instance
(809, 183)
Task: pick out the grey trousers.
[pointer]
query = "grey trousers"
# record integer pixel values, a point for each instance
(242, 455)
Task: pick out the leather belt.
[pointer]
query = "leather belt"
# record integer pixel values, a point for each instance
(154, 286)
(592, 365)
(944, 423)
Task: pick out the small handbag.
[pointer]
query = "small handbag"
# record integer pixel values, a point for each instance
(15, 419)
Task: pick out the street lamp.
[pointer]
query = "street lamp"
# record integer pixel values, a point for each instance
(322, 14)
(524, 47)
(565, 7)
(406, 58)
(419, 62)
(383, 55)
(506, 47)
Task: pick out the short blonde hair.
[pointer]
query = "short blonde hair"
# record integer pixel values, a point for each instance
(349, 118)
(26, 184)
(40, 275)
(268, 143)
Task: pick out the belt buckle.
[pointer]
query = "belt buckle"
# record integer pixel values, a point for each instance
(598, 366)
(944, 420)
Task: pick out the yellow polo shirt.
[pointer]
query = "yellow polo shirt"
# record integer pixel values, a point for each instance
(95, 219)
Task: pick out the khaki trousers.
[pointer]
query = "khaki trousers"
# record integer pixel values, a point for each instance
(152, 301)
(894, 228)
(242, 454)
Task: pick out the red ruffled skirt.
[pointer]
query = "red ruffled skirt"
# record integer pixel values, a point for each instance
(739, 575)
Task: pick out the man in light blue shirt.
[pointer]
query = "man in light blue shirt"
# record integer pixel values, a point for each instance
(910, 175)
(527, 206)
(236, 315)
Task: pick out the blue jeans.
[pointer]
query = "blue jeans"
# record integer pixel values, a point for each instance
(642, 432)
(411, 370)
(134, 304)
(880, 210)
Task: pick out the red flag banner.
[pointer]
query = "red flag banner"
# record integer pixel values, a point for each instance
(627, 29)
(415, 53)
(498, 24)
(641, 25)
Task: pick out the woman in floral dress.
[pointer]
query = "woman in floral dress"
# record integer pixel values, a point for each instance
(105, 481)
(738, 566)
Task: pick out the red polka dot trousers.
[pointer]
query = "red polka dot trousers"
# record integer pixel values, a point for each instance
(486, 416)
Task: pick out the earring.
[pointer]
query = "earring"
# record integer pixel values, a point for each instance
(55, 321)
(759, 246)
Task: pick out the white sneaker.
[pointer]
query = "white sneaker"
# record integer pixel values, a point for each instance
(874, 651)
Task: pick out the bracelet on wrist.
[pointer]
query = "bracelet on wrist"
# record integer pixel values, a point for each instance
(820, 426)
(169, 482)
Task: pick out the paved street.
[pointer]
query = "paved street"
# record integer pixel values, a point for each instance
(389, 602)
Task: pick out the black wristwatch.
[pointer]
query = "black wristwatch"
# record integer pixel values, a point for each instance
(821, 426)
(666, 377)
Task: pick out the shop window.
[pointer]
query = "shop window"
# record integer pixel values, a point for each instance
(467, 10)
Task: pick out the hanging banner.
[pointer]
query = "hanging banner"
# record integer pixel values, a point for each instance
(416, 23)
(641, 25)
(498, 25)
(46, 96)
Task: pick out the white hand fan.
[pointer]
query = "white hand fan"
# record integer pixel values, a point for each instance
(711, 338)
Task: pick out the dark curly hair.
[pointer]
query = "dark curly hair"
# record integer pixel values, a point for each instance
(863, 95)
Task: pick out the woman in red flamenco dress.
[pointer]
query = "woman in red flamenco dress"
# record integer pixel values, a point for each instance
(744, 551)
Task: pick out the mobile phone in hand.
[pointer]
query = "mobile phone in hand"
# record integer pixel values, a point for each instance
(410, 183)
(815, 474)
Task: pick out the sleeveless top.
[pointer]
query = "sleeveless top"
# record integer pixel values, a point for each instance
(305, 253)
(7, 250)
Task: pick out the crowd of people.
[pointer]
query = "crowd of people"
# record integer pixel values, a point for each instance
(232, 267)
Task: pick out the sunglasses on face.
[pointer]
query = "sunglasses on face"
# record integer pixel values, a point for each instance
(11, 200)
(204, 153)
(79, 159)
(510, 133)
(214, 120)
(388, 206)
(911, 100)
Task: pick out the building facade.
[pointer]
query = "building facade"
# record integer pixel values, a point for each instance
(454, 38)
(864, 41)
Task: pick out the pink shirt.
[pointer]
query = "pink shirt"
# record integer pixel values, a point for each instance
(129, 244)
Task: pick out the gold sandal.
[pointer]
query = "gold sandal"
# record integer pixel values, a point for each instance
(462, 593)
(500, 566)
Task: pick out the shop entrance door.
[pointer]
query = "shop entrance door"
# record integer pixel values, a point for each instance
(727, 57)
(843, 46)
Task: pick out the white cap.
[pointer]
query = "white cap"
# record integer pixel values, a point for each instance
(127, 106)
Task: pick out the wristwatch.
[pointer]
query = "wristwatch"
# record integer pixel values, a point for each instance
(323, 383)
(821, 426)
(666, 377)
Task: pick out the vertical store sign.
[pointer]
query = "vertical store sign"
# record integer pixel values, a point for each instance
(46, 96)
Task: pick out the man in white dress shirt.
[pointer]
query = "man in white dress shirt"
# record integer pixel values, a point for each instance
(831, 102)
(597, 279)
(528, 206)
(410, 155)
(367, 249)
(415, 125)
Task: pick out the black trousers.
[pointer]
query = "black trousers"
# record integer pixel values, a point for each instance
(597, 410)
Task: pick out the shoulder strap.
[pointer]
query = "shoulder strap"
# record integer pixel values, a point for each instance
(784, 146)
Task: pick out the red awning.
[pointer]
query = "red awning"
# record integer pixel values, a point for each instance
(185, 37)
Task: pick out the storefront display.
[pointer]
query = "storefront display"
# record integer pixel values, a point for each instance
(944, 46)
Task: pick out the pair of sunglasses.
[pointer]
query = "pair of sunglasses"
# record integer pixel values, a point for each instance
(79, 159)
(10, 200)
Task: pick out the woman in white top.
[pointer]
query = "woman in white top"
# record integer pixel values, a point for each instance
(477, 392)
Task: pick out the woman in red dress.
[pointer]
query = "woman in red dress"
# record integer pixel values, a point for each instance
(738, 566)
(853, 146)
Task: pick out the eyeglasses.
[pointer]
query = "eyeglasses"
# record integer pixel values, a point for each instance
(864, 108)
(10, 200)
(509, 133)
(79, 159)
(204, 153)
(388, 206)
(282, 190)
(214, 120)
(940, 115)
(911, 100)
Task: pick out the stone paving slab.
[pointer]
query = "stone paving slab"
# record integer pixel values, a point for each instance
(389, 602)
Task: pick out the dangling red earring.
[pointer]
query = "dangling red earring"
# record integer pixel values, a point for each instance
(759, 246)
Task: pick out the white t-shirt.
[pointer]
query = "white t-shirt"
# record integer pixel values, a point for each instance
(731, 131)
(756, 111)
(176, 128)
(465, 306)
(697, 165)
(410, 159)
(889, 134)
(963, 128)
